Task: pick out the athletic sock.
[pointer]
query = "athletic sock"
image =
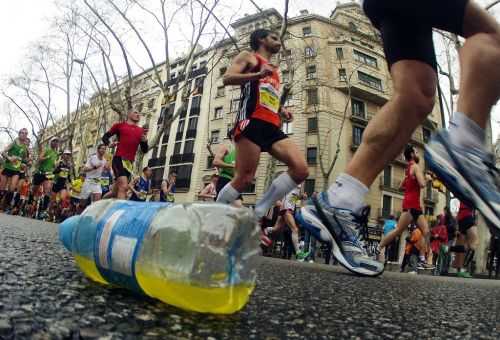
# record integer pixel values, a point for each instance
(464, 132)
(347, 193)
(278, 189)
(295, 241)
(228, 194)
(421, 258)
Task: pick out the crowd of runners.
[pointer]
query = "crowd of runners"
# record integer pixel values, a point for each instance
(338, 217)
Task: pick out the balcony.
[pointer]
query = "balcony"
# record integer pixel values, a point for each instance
(384, 214)
(195, 111)
(198, 72)
(157, 161)
(182, 158)
(390, 186)
(175, 80)
(360, 118)
(363, 91)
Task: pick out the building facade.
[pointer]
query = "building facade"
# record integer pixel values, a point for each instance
(339, 79)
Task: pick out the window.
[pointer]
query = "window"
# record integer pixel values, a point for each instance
(311, 155)
(215, 137)
(220, 91)
(309, 185)
(183, 181)
(173, 75)
(285, 77)
(287, 128)
(312, 96)
(189, 146)
(250, 189)
(342, 74)
(358, 108)
(386, 205)
(306, 31)
(155, 152)
(177, 148)
(164, 139)
(340, 53)
(370, 81)
(312, 124)
(286, 53)
(151, 103)
(195, 106)
(311, 72)
(193, 122)
(210, 161)
(222, 71)
(203, 64)
(157, 178)
(388, 176)
(309, 52)
(365, 59)
(198, 85)
(194, 67)
(353, 26)
(357, 135)
(218, 112)
(235, 105)
(180, 127)
(163, 151)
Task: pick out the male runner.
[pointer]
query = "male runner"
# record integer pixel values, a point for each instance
(23, 177)
(457, 156)
(14, 154)
(45, 174)
(167, 189)
(467, 240)
(93, 174)
(258, 123)
(60, 198)
(141, 186)
(130, 136)
(224, 161)
(413, 182)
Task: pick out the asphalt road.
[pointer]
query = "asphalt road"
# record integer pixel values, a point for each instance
(44, 296)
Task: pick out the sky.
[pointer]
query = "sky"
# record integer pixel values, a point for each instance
(22, 22)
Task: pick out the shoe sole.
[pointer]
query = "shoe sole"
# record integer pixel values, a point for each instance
(314, 223)
(460, 186)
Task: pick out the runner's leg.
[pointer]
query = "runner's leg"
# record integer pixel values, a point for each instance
(404, 220)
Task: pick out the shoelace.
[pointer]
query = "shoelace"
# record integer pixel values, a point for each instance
(362, 226)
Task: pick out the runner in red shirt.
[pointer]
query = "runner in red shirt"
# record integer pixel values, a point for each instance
(258, 123)
(412, 210)
(130, 135)
(467, 240)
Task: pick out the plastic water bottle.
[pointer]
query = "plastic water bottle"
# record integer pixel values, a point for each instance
(199, 256)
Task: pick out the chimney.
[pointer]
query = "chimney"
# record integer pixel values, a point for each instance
(304, 12)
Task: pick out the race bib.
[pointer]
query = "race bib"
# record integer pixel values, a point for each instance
(269, 97)
(49, 175)
(63, 174)
(170, 197)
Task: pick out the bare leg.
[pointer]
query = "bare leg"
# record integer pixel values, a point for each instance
(424, 228)
(121, 187)
(247, 161)
(403, 223)
(392, 127)
(290, 222)
(479, 65)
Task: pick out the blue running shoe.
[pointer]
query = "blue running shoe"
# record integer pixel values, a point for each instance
(344, 231)
(469, 173)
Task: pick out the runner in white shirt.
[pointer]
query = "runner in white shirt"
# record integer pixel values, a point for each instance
(93, 169)
(209, 192)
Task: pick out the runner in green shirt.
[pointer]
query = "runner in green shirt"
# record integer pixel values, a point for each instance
(224, 161)
(13, 155)
(45, 173)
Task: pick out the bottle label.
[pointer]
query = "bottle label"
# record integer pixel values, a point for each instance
(120, 233)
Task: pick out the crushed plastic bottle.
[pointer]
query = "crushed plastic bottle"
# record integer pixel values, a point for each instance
(199, 257)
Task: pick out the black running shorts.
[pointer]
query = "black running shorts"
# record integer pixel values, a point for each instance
(406, 26)
(415, 213)
(10, 173)
(465, 224)
(39, 178)
(259, 132)
(118, 168)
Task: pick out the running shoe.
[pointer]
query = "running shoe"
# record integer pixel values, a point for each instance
(469, 173)
(464, 275)
(302, 255)
(344, 230)
(265, 240)
(424, 266)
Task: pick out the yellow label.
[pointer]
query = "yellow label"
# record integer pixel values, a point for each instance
(49, 175)
(128, 165)
(269, 97)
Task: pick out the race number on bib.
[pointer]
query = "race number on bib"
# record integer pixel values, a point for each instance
(269, 97)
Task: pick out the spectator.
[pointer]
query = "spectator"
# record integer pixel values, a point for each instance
(439, 237)
(391, 250)
(168, 188)
(209, 193)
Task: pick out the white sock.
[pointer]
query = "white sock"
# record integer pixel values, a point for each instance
(228, 194)
(347, 193)
(279, 188)
(465, 132)
(295, 241)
